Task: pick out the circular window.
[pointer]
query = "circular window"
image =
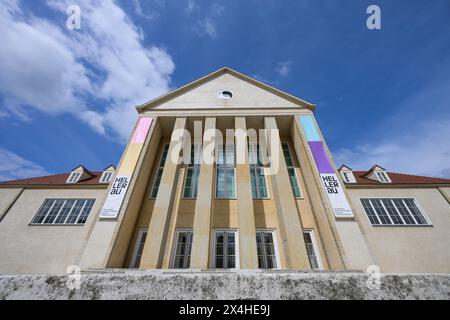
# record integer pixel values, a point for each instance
(226, 95)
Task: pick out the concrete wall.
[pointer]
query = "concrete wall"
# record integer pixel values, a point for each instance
(41, 248)
(407, 248)
(227, 285)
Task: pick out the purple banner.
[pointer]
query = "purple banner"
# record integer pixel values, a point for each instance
(320, 157)
(141, 130)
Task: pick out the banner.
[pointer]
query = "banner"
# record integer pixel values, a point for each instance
(115, 197)
(118, 190)
(328, 177)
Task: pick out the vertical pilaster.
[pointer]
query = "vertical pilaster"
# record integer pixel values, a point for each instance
(108, 239)
(153, 251)
(247, 232)
(291, 232)
(203, 205)
(173, 220)
(322, 213)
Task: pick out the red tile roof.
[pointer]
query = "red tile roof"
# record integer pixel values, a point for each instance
(398, 178)
(60, 179)
(56, 179)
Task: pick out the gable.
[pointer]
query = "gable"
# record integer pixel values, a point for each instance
(204, 94)
(345, 168)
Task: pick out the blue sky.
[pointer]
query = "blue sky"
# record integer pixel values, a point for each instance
(67, 97)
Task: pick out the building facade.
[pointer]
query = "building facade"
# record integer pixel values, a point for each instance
(273, 202)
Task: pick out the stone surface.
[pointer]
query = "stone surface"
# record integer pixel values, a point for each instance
(243, 284)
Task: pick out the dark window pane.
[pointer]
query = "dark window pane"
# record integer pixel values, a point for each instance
(415, 211)
(54, 211)
(43, 210)
(382, 214)
(369, 211)
(65, 211)
(392, 212)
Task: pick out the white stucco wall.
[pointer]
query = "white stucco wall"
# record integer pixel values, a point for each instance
(409, 248)
(7, 197)
(42, 249)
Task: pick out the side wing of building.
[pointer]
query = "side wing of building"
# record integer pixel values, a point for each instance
(44, 227)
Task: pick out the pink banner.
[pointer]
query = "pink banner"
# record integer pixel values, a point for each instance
(141, 130)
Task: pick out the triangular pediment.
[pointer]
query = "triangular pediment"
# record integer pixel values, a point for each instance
(207, 93)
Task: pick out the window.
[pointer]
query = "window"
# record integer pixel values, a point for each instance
(159, 171)
(393, 211)
(266, 249)
(106, 177)
(63, 211)
(74, 177)
(138, 248)
(225, 172)
(382, 177)
(193, 172)
(225, 249)
(226, 95)
(258, 179)
(311, 249)
(291, 171)
(182, 252)
(346, 178)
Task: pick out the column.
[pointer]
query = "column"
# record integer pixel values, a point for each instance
(291, 231)
(247, 233)
(203, 205)
(153, 251)
(323, 213)
(108, 239)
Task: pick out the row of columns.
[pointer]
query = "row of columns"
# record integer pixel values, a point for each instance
(290, 228)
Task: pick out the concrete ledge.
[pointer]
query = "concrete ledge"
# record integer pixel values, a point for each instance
(168, 284)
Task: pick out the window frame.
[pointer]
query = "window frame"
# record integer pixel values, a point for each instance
(57, 214)
(315, 245)
(195, 169)
(175, 245)
(137, 244)
(382, 176)
(422, 212)
(226, 167)
(275, 245)
(105, 174)
(158, 168)
(236, 249)
(301, 196)
(348, 176)
(74, 176)
(344, 175)
(255, 168)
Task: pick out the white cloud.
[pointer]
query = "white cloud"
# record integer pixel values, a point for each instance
(191, 5)
(147, 14)
(419, 151)
(13, 166)
(413, 138)
(207, 26)
(283, 68)
(55, 70)
(217, 10)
